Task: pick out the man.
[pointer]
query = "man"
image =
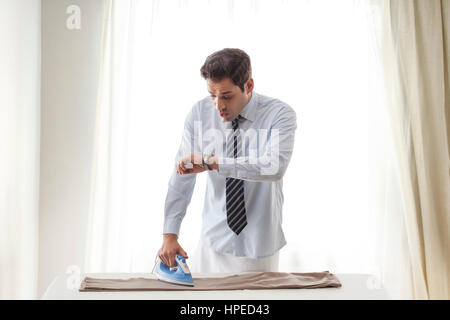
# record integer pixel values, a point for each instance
(242, 213)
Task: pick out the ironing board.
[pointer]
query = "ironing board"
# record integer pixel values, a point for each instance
(354, 286)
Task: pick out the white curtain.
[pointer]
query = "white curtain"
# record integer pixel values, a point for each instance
(412, 40)
(20, 58)
(341, 209)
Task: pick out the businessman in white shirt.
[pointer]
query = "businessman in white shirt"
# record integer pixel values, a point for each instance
(243, 140)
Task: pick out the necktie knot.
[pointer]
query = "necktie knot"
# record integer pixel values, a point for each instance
(235, 122)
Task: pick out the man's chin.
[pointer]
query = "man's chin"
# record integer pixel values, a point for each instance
(226, 118)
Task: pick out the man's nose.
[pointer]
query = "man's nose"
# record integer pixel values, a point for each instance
(218, 103)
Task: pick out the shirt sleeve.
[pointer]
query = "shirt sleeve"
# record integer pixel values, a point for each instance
(180, 187)
(272, 162)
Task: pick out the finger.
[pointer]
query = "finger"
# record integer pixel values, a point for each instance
(167, 261)
(171, 261)
(183, 253)
(163, 259)
(181, 168)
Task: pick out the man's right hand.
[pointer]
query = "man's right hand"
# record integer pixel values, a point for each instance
(169, 249)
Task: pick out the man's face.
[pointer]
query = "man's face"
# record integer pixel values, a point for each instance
(228, 98)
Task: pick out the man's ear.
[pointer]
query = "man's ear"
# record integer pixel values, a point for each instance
(249, 85)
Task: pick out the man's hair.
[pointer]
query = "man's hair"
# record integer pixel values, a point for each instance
(228, 63)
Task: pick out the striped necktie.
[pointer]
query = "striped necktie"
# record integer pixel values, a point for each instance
(236, 218)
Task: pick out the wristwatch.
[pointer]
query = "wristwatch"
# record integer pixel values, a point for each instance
(205, 161)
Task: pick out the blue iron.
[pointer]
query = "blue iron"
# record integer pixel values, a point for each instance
(179, 274)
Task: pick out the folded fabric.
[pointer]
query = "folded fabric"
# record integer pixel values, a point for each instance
(249, 281)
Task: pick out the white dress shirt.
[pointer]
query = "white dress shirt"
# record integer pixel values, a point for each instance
(267, 133)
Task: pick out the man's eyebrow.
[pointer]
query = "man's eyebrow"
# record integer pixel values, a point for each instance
(222, 92)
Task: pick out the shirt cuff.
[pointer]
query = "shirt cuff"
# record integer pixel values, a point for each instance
(172, 225)
(226, 166)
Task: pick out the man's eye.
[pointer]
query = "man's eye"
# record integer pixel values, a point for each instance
(224, 98)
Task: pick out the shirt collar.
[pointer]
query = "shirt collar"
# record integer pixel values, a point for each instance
(249, 111)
